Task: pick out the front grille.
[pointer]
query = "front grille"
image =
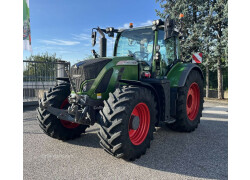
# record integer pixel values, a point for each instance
(85, 70)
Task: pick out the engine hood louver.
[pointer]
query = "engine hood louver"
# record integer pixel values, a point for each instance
(88, 69)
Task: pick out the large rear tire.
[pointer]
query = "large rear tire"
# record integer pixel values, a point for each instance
(127, 122)
(189, 104)
(50, 124)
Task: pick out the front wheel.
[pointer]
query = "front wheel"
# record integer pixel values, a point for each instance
(127, 122)
(189, 104)
(50, 124)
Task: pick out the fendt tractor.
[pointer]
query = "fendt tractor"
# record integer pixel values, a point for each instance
(144, 85)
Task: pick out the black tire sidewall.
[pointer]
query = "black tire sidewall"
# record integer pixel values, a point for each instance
(193, 78)
(125, 137)
(114, 124)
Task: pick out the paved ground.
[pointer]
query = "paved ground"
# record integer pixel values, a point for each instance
(202, 154)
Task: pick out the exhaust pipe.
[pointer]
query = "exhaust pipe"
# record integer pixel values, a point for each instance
(103, 47)
(103, 43)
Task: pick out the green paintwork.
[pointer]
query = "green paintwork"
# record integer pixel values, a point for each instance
(175, 73)
(130, 73)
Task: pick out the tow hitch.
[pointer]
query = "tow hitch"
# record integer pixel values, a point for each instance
(72, 114)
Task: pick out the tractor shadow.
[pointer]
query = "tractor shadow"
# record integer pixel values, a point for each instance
(89, 139)
(202, 153)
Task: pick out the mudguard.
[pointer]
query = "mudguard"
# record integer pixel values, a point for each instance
(179, 73)
(161, 90)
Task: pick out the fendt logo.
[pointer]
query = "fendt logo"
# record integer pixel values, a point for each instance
(197, 58)
(77, 75)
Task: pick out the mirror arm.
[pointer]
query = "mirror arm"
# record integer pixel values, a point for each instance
(101, 32)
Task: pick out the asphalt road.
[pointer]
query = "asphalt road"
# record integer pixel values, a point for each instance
(202, 154)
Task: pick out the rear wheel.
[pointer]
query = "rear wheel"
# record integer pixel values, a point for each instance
(50, 124)
(189, 104)
(127, 122)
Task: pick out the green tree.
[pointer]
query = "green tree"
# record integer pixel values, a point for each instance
(205, 27)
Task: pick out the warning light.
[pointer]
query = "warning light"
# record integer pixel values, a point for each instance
(181, 16)
(131, 25)
(147, 74)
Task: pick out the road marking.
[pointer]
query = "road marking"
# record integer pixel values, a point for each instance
(220, 113)
(214, 119)
(215, 112)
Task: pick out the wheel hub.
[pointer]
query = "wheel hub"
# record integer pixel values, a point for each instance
(139, 124)
(135, 122)
(193, 101)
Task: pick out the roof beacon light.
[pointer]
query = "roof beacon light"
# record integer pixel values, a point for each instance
(131, 25)
(181, 16)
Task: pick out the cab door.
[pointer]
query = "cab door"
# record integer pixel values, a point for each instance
(169, 50)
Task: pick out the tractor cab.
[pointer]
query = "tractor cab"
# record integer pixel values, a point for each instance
(154, 47)
(148, 46)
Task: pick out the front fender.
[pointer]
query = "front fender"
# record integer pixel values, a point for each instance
(179, 73)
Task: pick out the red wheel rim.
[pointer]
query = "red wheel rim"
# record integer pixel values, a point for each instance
(193, 101)
(139, 135)
(67, 124)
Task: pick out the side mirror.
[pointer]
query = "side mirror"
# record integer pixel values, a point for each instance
(169, 28)
(93, 36)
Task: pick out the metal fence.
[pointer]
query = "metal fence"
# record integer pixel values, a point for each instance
(39, 76)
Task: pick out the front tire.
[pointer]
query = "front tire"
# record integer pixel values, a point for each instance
(50, 124)
(189, 104)
(127, 122)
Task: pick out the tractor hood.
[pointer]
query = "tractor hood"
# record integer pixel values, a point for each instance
(87, 69)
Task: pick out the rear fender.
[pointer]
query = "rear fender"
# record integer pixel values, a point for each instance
(179, 73)
(177, 77)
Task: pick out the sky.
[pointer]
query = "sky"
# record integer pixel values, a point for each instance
(64, 27)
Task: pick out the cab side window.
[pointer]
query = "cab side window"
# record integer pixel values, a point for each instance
(166, 48)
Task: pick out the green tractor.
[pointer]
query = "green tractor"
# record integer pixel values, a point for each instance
(143, 86)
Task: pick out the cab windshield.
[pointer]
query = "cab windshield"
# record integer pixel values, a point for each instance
(137, 43)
